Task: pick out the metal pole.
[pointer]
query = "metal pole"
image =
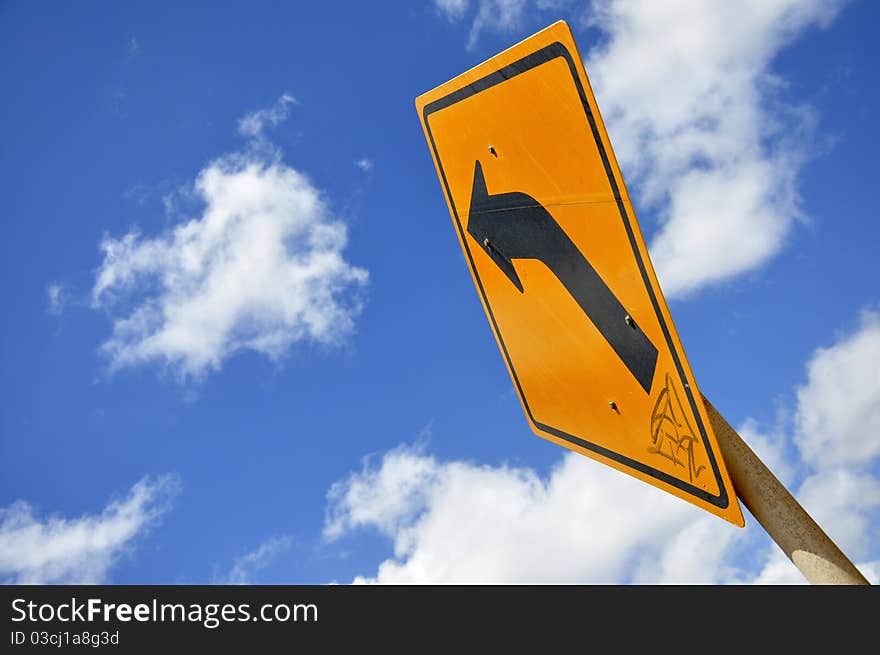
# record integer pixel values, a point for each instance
(787, 523)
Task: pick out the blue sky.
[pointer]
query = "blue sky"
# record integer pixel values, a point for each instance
(241, 343)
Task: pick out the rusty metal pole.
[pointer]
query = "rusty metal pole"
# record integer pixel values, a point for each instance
(787, 523)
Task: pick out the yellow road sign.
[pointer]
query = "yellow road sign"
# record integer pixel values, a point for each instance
(561, 267)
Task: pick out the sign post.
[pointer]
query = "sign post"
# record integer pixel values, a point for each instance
(787, 523)
(551, 239)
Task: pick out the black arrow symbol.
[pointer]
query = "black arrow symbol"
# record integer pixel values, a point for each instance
(514, 225)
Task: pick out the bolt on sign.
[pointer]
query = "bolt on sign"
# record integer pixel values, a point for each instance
(561, 267)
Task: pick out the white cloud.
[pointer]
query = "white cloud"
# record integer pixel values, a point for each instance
(253, 124)
(838, 419)
(133, 48)
(498, 15)
(244, 567)
(692, 107)
(847, 505)
(778, 570)
(385, 497)
(504, 16)
(697, 120)
(57, 297)
(871, 571)
(365, 164)
(82, 550)
(837, 432)
(260, 269)
(452, 9)
(462, 522)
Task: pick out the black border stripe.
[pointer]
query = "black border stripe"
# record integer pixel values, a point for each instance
(537, 58)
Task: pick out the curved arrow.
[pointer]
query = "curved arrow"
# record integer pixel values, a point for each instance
(514, 225)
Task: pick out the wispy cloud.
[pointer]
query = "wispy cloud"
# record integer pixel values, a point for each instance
(452, 9)
(57, 297)
(246, 566)
(365, 164)
(504, 16)
(253, 124)
(133, 48)
(461, 522)
(260, 269)
(81, 550)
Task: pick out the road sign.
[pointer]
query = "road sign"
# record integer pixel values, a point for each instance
(561, 267)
